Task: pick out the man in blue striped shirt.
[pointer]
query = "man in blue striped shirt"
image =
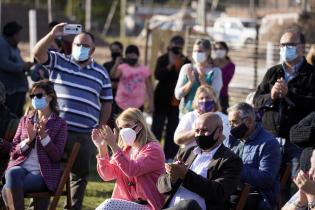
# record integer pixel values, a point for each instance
(84, 95)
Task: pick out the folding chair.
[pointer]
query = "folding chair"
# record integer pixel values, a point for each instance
(243, 198)
(63, 183)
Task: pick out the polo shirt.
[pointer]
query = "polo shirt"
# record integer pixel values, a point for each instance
(80, 91)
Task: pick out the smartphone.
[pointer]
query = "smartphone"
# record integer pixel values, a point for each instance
(72, 29)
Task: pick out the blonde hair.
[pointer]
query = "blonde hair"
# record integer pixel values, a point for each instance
(144, 136)
(311, 55)
(208, 90)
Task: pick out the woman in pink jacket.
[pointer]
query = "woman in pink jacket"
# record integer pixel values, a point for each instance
(136, 163)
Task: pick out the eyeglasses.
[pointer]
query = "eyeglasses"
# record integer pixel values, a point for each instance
(38, 95)
(236, 122)
(289, 44)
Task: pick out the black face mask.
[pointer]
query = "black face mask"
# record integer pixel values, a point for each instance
(115, 55)
(206, 142)
(131, 61)
(175, 50)
(239, 131)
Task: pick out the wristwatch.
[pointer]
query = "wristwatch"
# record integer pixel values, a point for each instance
(311, 204)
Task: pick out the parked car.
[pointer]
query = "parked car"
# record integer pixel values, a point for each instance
(237, 32)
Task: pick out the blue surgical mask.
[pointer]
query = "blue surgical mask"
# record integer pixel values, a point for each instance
(39, 103)
(80, 53)
(206, 106)
(288, 53)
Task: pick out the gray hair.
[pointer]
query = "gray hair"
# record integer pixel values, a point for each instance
(245, 109)
(205, 43)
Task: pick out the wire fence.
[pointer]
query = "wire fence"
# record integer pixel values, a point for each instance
(251, 64)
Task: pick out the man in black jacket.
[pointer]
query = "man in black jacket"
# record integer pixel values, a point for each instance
(287, 94)
(205, 176)
(165, 104)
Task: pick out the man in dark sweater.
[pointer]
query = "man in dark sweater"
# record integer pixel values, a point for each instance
(167, 70)
(12, 69)
(287, 94)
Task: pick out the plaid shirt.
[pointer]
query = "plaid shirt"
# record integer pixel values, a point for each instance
(49, 156)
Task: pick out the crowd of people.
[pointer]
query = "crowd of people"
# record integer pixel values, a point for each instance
(210, 150)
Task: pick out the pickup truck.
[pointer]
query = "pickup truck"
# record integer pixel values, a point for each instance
(236, 32)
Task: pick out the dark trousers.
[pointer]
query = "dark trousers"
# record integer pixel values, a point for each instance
(253, 201)
(290, 154)
(81, 168)
(224, 102)
(15, 103)
(19, 178)
(170, 120)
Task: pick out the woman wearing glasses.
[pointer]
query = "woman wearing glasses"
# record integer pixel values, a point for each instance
(205, 100)
(37, 149)
(136, 163)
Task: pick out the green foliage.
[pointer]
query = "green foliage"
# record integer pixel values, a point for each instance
(100, 10)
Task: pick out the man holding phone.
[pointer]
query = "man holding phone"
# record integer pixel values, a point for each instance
(84, 95)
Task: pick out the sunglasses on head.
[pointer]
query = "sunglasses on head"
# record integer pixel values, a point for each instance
(38, 95)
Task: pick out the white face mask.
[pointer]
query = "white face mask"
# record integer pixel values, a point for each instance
(219, 53)
(128, 135)
(199, 57)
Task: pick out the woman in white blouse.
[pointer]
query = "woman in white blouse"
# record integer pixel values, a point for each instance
(205, 100)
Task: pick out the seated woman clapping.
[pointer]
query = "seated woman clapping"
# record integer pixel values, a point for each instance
(37, 148)
(136, 163)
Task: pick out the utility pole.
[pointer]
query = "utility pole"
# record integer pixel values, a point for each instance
(304, 6)
(110, 17)
(201, 14)
(122, 18)
(49, 8)
(252, 8)
(88, 9)
(32, 30)
(37, 3)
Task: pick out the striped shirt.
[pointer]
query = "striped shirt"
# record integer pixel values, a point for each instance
(80, 91)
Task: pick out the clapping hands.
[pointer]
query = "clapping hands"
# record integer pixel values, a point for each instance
(279, 89)
(103, 136)
(176, 170)
(306, 184)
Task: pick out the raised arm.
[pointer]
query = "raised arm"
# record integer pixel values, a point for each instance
(41, 47)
